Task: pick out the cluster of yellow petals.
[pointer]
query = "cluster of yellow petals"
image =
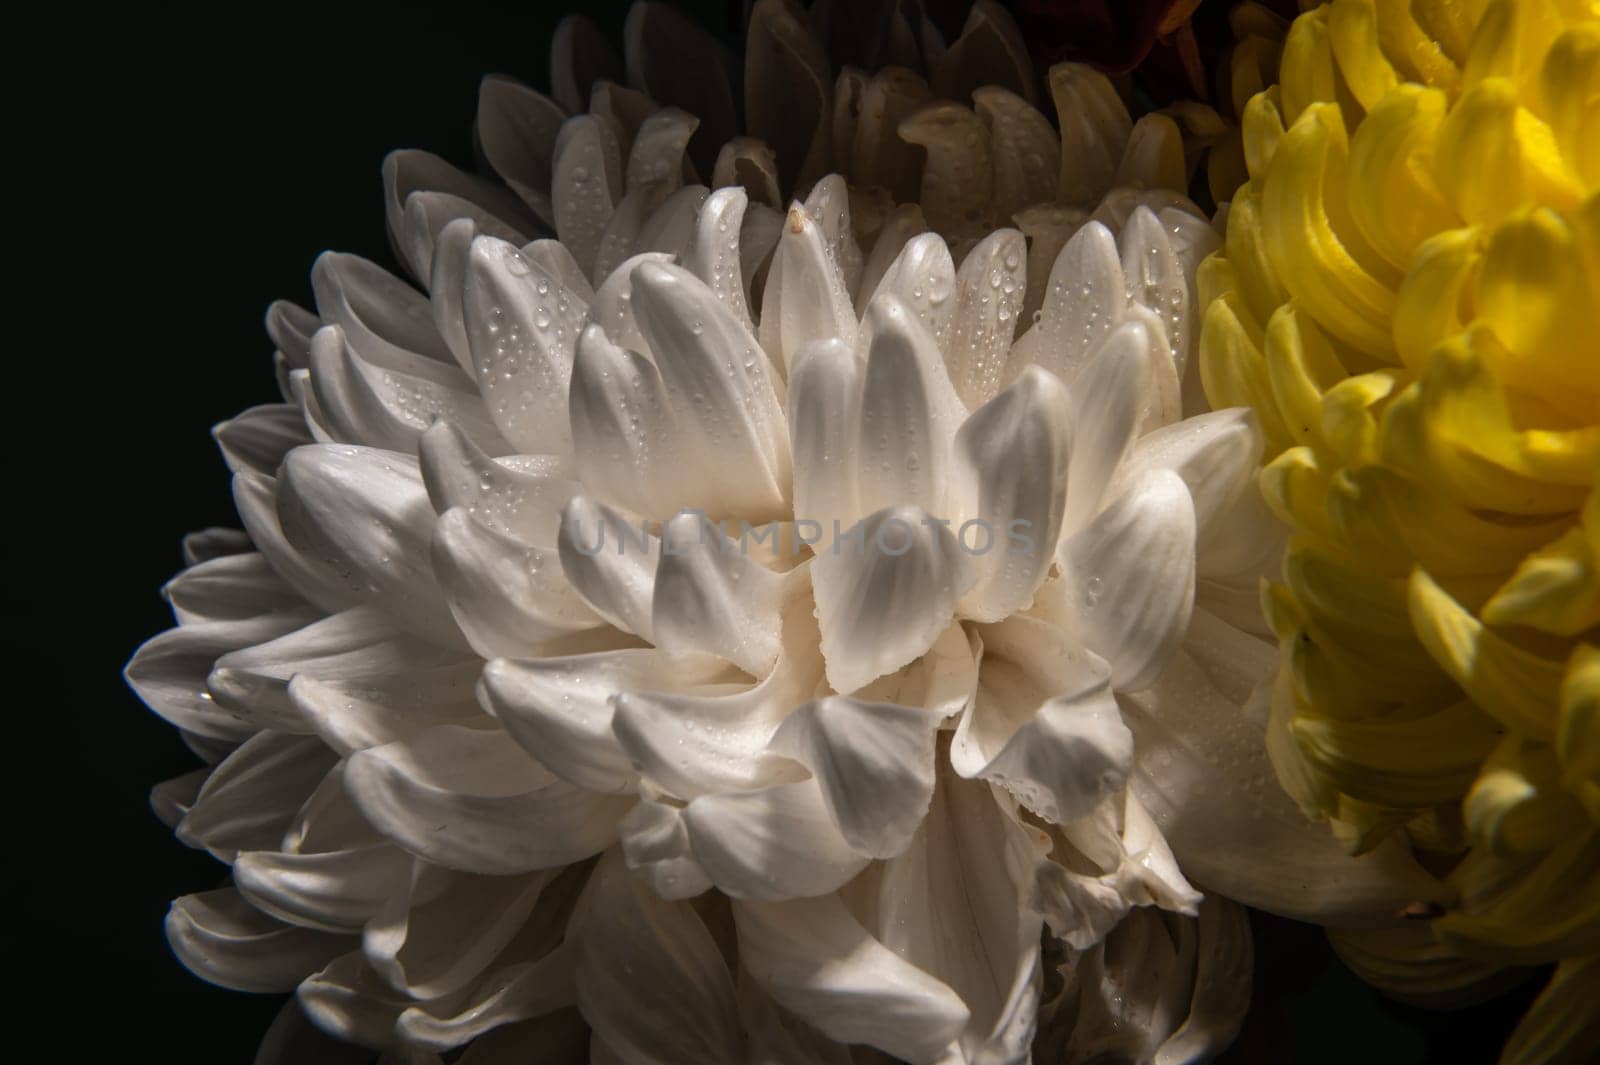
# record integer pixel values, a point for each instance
(1409, 297)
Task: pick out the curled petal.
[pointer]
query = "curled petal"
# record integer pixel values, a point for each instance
(1132, 574)
(817, 961)
(470, 799)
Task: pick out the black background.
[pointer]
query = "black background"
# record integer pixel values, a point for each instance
(178, 171)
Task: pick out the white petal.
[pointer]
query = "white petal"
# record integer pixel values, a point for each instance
(716, 382)
(656, 155)
(1222, 984)
(1216, 454)
(697, 743)
(1155, 276)
(828, 204)
(610, 562)
(958, 175)
(508, 597)
(520, 496)
(290, 326)
(169, 671)
(517, 128)
(171, 799)
(989, 292)
(554, 259)
(1108, 403)
(335, 891)
(923, 278)
(990, 51)
(258, 438)
(885, 595)
(747, 163)
(1131, 571)
(775, 843)
(580, 55)
(1014, 452)
(1044, 725)
(651, 981)
(788, 91)
(1185, 728)
(412, 178)
(902, 224)
(778, 1037)
(805, 298)
(252, 795)
(1048, 227)
(620, 238)
(228, 588)
(815, 960)
(224, 940)
(361, 647)
(824, 418)
(429, 214)
(213, 542)
(586, 184)
(712, 598)
(382, 317)
(1086, 299)
(445, 287)
(655, 844)
(522, 327)
(367, 512)
(473, 800)
(670, 228)
(628, 447)
(434, 938)
(1153, 158)
(559, 709)
(525, 1004)
(348, 1001)
(873, 763)
(909, 413)
(1026, 149)
(351, 714)
(713, 254)
(1094, 131)
(949, 906)
(674, 60)
(878, 154)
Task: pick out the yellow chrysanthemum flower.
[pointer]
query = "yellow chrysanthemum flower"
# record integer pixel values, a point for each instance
(1409, 296)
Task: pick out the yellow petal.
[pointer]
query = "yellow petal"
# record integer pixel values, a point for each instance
(1578, 735)
(1544, 309)
(1308, 74)
(1394, 198)
(1518, 804)
(1233, 370)
(1314, 247)
(1453, 429)
(1528, 913)
(1516, 687)
(1375, 510)
(1428, 307)
(1555, 589)
(1570, 82)
(1416, 56)
(1400, 762)
(1562, 1026)
(1495, 156)
(1302, 366)
(1353, 36)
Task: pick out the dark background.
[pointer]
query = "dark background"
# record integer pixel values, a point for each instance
(180, 170)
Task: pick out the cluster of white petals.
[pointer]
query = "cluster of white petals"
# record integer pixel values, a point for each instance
(532, 724)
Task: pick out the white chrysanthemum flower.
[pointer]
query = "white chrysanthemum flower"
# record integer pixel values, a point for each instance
(758, 684)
